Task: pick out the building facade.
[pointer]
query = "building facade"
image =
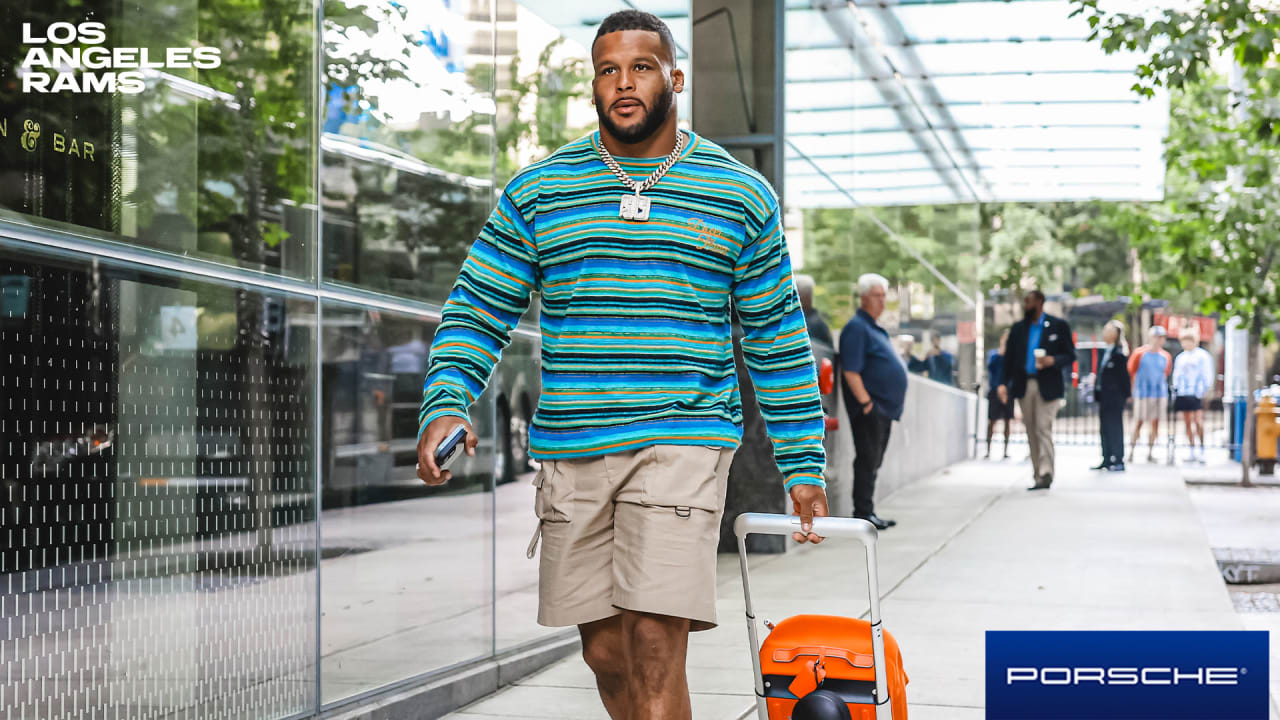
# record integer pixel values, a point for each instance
(218, 295)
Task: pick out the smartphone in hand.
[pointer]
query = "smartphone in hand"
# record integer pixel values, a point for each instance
(450, 448)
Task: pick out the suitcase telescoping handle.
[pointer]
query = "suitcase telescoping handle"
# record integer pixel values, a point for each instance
(827, 527)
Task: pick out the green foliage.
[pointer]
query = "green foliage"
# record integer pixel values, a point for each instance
(1100, 246)
(1024, 252)
(1216, 235)
(1182, 41)
(843, 243)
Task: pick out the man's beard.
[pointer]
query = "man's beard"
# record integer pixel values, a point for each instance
(641, 131)
(1030, 314)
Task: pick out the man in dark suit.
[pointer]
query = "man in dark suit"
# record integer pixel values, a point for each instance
(1040, 353)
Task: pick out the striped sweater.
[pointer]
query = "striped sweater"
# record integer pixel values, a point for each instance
(635, 316)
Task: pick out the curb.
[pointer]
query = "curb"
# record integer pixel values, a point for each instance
(1248, 566)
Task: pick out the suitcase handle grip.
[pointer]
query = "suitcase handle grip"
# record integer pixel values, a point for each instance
(766, 524)
(769, 524)
(856, 660)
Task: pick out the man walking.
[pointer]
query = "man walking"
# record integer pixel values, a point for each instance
(1040, 352)
(638, 237)
(874, 389)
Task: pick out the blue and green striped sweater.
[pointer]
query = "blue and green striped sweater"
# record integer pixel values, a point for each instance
(636, 329)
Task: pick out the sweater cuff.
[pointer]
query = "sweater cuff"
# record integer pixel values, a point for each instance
(804, 478)
(440, 412)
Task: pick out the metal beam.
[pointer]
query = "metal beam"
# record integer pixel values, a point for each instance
(958, 128)
(983, 74)
(968, 103)
(851, 36)
(957, 41)
(1014, 166)
(912, 65)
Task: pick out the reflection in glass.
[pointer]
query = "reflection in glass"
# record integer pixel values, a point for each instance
(394, 223)
(158, 491)
(408, 569)
(215, 163)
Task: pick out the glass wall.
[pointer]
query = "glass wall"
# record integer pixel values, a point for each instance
(158, 495)
(407, 583)
(215, 163)
(212, 390)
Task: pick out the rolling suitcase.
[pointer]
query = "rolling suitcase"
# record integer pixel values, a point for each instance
(853, 660)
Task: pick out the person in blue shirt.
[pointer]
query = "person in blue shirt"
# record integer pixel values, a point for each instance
(939, 364)
(1041, 352)
(997, 410)
(874, 389)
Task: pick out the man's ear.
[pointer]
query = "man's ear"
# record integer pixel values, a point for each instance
(677, 80)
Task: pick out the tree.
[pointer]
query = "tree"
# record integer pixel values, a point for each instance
(843, 243)
(1023, 251)
(1100, 246)
(1218, 231)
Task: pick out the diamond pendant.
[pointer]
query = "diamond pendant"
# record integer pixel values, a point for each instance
(634, 207)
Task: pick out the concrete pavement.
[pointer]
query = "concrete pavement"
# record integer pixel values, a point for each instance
(1243, 529)
(973, 551)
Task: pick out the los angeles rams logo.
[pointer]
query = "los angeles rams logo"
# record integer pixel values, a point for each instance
(30, 134)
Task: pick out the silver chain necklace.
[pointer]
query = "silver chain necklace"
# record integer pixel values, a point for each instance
(636, 207)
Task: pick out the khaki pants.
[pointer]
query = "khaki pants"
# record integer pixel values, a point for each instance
(1037, 416)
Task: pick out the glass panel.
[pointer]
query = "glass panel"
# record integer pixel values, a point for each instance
(215, 163)
(519, 383)
(158, 496)
(1030, 57)
(408, 144)
(408, 569)
(980, 20)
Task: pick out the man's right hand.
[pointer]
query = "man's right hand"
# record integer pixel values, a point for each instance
(437, 430)
(1003, 393)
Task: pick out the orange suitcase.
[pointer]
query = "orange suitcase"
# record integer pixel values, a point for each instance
(854, 659)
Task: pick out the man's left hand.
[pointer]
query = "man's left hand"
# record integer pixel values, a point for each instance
(809, 502)
(1044, 362)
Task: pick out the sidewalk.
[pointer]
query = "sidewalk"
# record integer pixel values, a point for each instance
(973, 551)
(1241, 525)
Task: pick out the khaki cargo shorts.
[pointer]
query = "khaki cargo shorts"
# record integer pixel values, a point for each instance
(634, 530)
(1150, 408)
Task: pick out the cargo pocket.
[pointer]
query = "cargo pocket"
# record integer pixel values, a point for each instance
(687, 478)
(552, 502)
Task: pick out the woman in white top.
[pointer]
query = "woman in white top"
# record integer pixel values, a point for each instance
(1193, 375)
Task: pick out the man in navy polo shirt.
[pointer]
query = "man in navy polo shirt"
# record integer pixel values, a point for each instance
(874, 388)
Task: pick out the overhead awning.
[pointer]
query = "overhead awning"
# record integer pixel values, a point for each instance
(908, 102)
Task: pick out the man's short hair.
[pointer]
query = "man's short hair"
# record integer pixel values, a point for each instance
(804, 285)
(638, 20)
(1189, 333)
(1037, 294)
(870, 280)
